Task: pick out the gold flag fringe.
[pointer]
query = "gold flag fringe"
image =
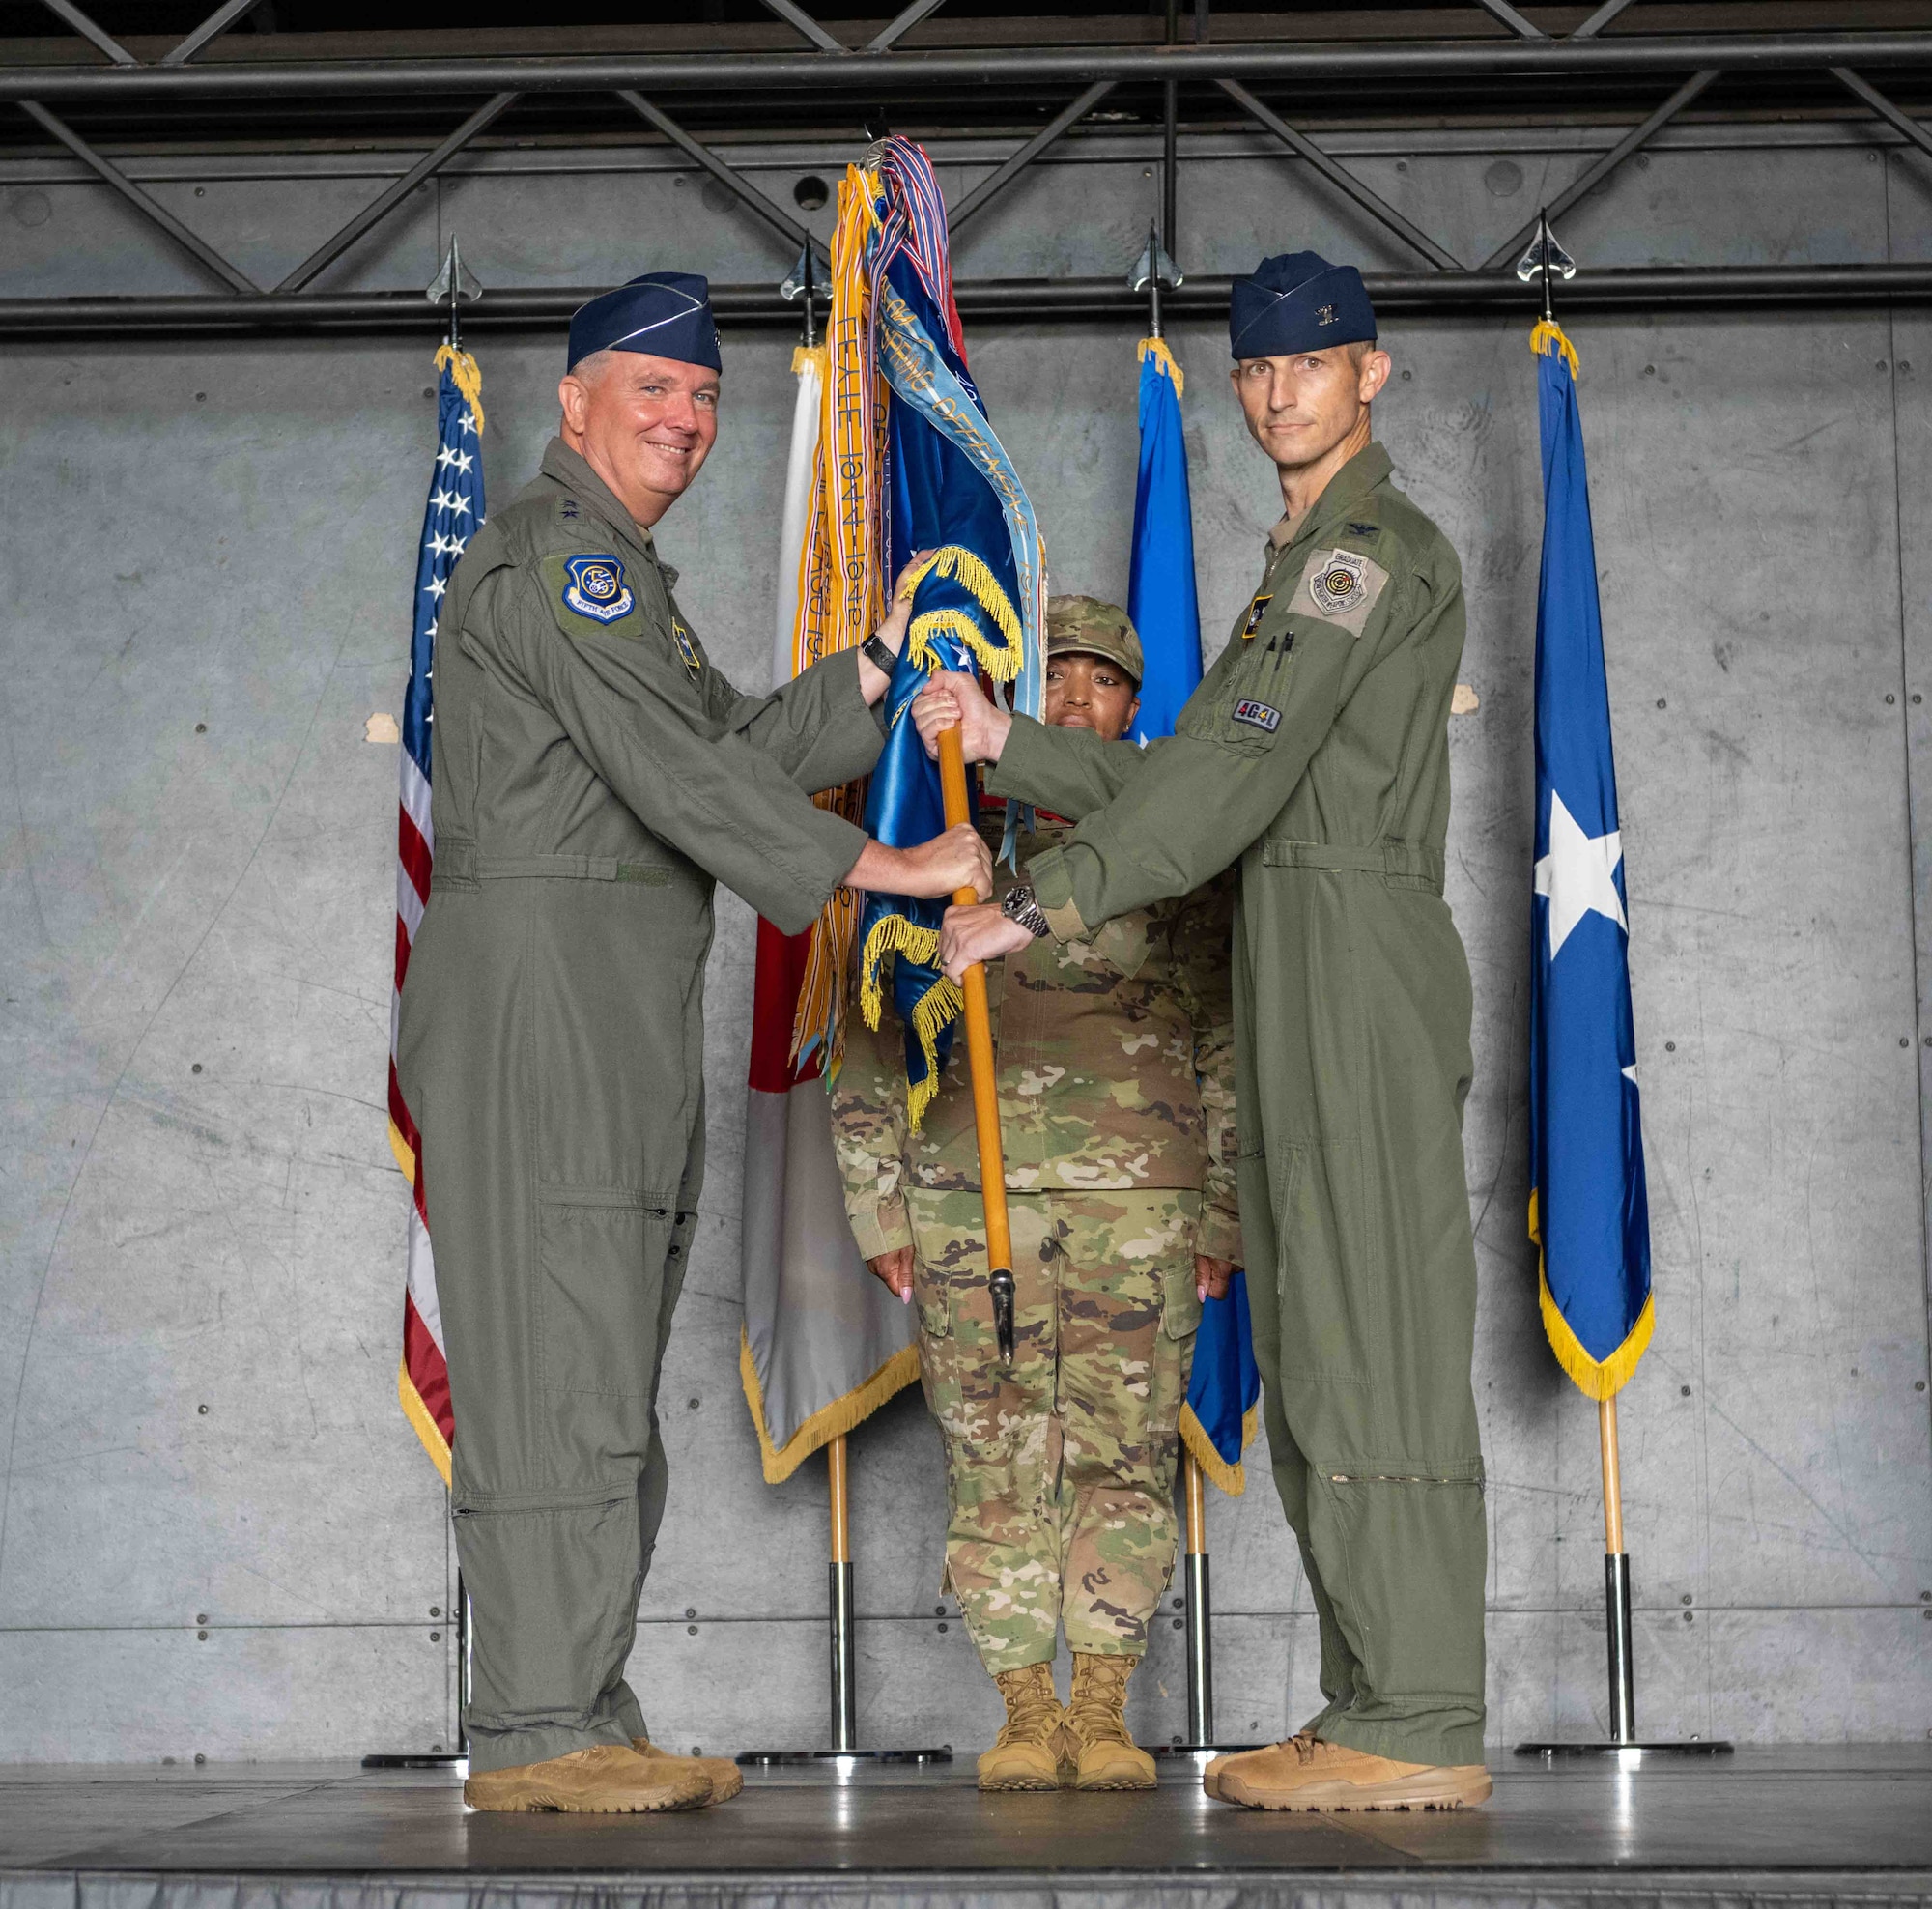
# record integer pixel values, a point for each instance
(940, 1004)
(1233, 1480)
(469, 377)
(1547, 338)
(829, 1421)
(1596, 1378)
(1156, 349)
(969, 569)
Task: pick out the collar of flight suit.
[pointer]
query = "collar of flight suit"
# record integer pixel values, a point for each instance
(1370, 467)
(573, 471)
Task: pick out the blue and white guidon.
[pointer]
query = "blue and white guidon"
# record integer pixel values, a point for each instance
(597, 588)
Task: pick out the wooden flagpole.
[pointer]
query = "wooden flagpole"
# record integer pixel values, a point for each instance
(985, 1085)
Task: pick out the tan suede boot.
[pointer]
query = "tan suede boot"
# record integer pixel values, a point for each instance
(726, 1779)
(1025, 1757)
(1109, 1758)
(607, 1780)
(1307, 1773)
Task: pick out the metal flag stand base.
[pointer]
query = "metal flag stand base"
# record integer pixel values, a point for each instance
(1623, 1741)
(457, 1756)
(845, 1640)
(1199, 1629)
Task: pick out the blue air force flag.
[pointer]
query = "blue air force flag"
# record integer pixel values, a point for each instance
(1225, 1388)
(1587, 1209)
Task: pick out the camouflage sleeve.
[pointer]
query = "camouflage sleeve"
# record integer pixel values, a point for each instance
(1204, 969)
(869, 1134)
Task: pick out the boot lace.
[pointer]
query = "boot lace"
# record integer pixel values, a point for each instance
(1032, 1711)
(1099, 1699)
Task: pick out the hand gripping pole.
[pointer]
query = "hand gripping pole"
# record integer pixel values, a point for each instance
(985, 1084)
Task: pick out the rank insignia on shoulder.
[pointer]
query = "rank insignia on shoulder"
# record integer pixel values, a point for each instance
(597, 588)
(1256, 611)
(1364, 530)
(686, 648)
(1258, 715)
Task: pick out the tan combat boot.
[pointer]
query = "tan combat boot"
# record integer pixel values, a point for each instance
(1307, 1773)
(607, 1780)
(726, 1779)
(1024, 1756)
(1096, 1721)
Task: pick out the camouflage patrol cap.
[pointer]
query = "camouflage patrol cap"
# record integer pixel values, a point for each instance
(1086, 624)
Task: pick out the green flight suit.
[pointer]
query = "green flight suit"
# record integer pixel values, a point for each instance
(1316, 753)
(594, 777)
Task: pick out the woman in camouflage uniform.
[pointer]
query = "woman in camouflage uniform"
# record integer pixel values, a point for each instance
(1117, 1106)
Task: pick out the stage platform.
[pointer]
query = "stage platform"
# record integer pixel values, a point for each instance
(1785, 1826)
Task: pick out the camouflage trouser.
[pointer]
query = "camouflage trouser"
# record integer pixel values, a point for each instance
(1059, 1476)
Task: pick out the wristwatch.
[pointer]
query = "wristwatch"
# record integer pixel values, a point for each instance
(1022, 905)
(880, 654)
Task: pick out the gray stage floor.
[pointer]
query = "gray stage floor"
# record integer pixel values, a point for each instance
(1784, 1826)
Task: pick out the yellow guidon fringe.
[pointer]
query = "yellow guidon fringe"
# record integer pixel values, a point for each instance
(959, 564)
(1548, 339)
(938, 1008)
(1596, 1378)
(828, 1422)
(427, 1429)
(1156, 349)
(469, 377)
(1231, 1478)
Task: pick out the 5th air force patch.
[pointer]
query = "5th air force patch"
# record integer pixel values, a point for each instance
(597, 588)
(1341, 587)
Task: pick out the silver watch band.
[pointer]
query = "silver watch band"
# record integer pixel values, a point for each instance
(1022, 905)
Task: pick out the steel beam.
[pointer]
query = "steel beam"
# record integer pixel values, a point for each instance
(734, 182)
(797, 18)
(1339, 177)
(1902, 122)
(87, 30)
(904, 23)
(995, 183)
(1511, 250)
(996, 72)
(1018, 300)
(151, 209)
(211, 28)
(333, 248)
(1600, 19)
(1522, 29)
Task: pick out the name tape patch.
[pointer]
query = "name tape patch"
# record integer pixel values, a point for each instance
(597, 588)
(1258, 715)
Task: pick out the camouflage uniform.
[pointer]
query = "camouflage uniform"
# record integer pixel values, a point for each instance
(1117, 1107)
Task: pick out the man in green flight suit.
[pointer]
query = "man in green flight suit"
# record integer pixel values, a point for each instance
(595, 777)
(1316, 755)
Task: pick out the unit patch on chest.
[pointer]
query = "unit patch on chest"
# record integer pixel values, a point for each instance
(1340, 586)
(686, 648)
(596, 587)
(1256, 611)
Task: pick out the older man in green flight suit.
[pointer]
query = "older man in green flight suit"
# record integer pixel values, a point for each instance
(1316, 755)
(595, 777)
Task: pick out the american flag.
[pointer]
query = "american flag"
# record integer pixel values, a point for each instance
(450, 518)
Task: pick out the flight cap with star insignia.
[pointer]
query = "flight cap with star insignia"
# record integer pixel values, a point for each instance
(1298, 301)
(663, 314)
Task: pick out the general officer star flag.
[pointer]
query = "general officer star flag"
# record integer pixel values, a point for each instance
(451, 517)
(1587, 1209)
(1225, 1388)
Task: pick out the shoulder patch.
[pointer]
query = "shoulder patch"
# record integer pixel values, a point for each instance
(596, 587)
(1340, 586)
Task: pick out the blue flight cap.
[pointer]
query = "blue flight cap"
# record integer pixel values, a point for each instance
(664, 314)
(1298, 301)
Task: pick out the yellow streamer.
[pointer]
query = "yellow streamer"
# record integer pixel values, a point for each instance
(469, 377)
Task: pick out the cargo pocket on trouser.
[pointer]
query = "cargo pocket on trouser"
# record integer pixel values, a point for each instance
(603, 1257)
(1402, 1547)
(553, 1579)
